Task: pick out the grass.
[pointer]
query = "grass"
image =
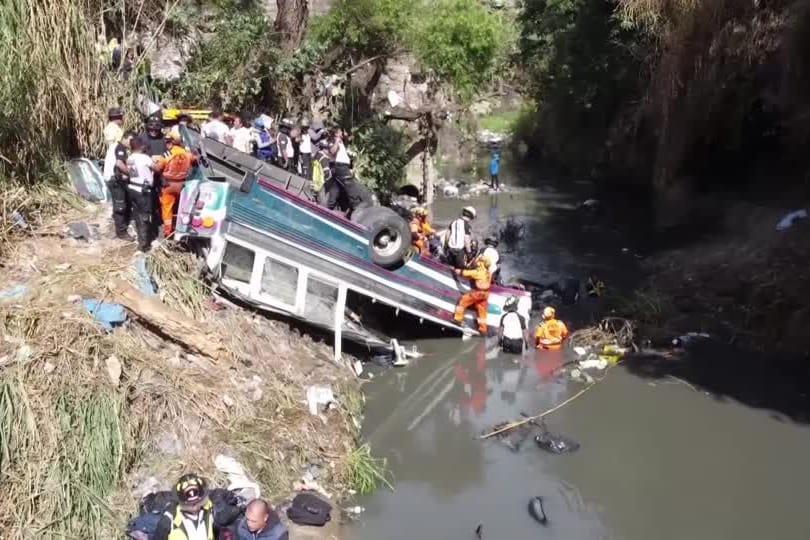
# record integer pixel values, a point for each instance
(175, 273)
(647, 306)
(501, 122)
(366, 473)
(72, 441)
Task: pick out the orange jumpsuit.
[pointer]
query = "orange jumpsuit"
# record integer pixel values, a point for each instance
(478, 297)
(550, 334)
(175, 166)
(420, 232)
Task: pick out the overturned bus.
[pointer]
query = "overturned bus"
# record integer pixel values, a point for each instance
(267, 242)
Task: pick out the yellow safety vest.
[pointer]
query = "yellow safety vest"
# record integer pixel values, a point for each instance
(178, 531)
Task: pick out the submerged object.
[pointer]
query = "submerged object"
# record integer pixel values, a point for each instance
(536, 510)
(479, 531)
(555, 443)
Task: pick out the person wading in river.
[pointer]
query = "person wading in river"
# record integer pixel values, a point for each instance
(478, 297)
(513, 331)
(551, 332)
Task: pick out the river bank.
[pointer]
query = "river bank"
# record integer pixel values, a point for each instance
(93, 418)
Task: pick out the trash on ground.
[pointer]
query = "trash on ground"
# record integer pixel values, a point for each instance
(357, 367)
(789, 219)
(310, 485)
(24, 353)
(537, 511)
(19, 220)
(74, 298)
(238, 480)
(114, 370)
(308, 509)
(109, 314)
(81, 230)
(14, 292)
(143, 279)
(87, 180)
(319, 396)
(64, 267)
(555, 443)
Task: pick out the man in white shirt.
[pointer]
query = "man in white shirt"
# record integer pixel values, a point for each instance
(340, 156)
(459, 238)
(305, 151)
(215, 128)
(513, 330)
(491, 253)
(240, 135)
(140, 190)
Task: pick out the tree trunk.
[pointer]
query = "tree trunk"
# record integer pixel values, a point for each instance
(291, 22)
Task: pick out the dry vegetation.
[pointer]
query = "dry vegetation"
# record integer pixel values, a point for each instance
(75, 439)
(749, 285)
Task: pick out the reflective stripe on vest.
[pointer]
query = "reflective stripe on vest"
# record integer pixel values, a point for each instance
(455, 239)
(178, 531)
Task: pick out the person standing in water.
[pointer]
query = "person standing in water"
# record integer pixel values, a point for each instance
(494, 170)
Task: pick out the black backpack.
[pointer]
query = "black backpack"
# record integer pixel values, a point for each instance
(307, 509)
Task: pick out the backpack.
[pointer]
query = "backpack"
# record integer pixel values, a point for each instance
(307, 509)
(317, 175)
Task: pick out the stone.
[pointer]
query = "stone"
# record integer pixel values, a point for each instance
(114, 370)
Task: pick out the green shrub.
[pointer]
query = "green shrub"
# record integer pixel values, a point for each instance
(381, 156)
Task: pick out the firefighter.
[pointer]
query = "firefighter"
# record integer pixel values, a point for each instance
(478, 296)
(175, 166)
(551, 332)
(192, 517)
(421, 231)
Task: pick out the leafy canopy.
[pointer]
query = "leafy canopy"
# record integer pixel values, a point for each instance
(459, 41)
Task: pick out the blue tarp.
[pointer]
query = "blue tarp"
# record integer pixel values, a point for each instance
(109, 314)
(12, 293)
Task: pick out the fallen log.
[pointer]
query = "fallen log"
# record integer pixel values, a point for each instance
(165, 320)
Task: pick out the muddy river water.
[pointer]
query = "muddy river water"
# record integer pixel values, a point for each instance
(659, 459)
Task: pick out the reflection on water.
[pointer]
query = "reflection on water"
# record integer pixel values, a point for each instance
(658, 461)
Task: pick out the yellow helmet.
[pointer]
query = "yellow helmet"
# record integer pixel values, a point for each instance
(419, 211)
(549, 312)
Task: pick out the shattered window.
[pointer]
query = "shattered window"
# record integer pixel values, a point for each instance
(279, 281)
(320, 301)
(237, 262)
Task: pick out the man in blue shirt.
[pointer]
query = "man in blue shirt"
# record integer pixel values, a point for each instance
(494, 169)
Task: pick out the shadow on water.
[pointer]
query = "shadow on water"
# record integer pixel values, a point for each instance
(758, 380)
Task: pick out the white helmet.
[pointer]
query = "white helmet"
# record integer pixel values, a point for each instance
(468, 211)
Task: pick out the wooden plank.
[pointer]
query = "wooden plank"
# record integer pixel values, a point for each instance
(167, 321)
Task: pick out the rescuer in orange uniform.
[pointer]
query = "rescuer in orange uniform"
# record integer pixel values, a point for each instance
(479, 295)
(175, 166)
(550, 333)
(421, 231)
